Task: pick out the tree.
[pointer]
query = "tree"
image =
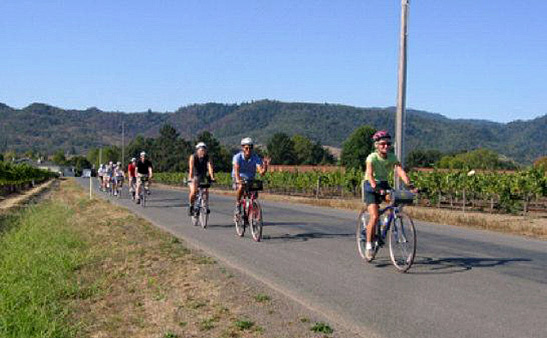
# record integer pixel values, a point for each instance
(308, 152)
(1, 157)
(281, 149)
(477, 159)
(79, 163)
(357, 147)
(419, 158)
(59, 157)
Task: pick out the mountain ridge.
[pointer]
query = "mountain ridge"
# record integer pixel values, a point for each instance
(44, 127)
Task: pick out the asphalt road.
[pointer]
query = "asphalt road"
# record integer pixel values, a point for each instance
(464, 283)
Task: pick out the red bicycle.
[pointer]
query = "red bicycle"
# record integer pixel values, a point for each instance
(249, 212)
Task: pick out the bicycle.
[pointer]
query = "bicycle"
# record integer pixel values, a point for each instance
(133, 187)
(200, 211)
(144, 190)
(396, 225)
(118, 186)
(249, 212)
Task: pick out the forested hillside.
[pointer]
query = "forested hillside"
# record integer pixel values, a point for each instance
(45, 128)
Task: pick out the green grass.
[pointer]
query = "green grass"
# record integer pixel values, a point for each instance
(244, 324)
(39, 257)
(261, 298)
(321, 327)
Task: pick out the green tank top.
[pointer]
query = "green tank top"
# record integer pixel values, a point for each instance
(381, 167)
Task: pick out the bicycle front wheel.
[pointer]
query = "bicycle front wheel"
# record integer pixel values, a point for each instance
(255, 220)
(203, 217)
(402, 242)
(239, 223)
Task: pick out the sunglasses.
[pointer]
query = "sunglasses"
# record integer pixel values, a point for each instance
(384, 144)
(247, 147)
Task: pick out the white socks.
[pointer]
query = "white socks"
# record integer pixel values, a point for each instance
(368, 246)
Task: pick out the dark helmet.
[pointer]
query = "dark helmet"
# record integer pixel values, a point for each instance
(380, 135)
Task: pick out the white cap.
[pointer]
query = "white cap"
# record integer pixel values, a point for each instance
(247, 141)
(201, 145)
(143, 153)
(133, 159)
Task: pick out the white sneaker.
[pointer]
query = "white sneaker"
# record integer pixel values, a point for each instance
(369, 255)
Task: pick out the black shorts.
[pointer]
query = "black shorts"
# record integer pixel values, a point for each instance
(371, 196)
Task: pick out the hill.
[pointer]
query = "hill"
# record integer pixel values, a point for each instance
(47, 128)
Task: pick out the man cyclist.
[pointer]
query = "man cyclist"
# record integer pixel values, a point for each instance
(244, 167)
(144, 172)
(132, 176)
(199, 166)
(378, 166)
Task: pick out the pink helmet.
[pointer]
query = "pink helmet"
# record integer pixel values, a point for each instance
(379, 135)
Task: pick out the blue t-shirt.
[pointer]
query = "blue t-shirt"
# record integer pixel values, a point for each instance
(247, 168)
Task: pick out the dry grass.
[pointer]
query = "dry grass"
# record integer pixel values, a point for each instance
(142, 282)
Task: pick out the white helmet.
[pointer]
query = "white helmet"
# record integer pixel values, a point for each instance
(201, 145)
(119, 163)
(247, 141)
(133, 160)
(143, 153)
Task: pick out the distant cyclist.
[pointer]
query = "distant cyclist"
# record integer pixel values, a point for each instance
(378, 166)
(108, 174)
(100, 175)
(144, 173)
(132, 176)
(245, 165)
(118, 176)
(200, 170)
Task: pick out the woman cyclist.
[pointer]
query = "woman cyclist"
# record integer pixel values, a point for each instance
(199, 166)
(378, 166)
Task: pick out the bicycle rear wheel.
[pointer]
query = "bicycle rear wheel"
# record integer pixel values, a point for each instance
(255, 221)
(402, 242)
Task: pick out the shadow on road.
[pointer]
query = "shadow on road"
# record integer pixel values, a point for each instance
(302, 237)
(430, 265)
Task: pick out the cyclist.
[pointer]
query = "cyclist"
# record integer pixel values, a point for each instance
(378, 166)
(199, 166)
(108, 174)
(119, 177)
(100, 175)
(132, 176)
(244, 167)
(144, 170)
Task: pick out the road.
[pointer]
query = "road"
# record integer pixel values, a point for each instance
(464, 283)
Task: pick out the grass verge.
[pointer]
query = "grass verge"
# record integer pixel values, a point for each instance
(39, 254)
(74, 267)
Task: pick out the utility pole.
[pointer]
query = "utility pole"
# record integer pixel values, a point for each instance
(123, 145)
(401, 93)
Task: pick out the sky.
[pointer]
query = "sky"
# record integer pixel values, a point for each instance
(466, 58)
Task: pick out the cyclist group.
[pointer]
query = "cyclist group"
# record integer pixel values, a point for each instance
(246, 164)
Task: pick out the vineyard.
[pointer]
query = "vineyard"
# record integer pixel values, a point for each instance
(17, 177)
(517, 192)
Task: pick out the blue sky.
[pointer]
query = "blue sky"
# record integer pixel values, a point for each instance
(467, 59)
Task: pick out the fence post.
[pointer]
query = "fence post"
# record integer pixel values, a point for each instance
(318, 187)
(464, 201)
